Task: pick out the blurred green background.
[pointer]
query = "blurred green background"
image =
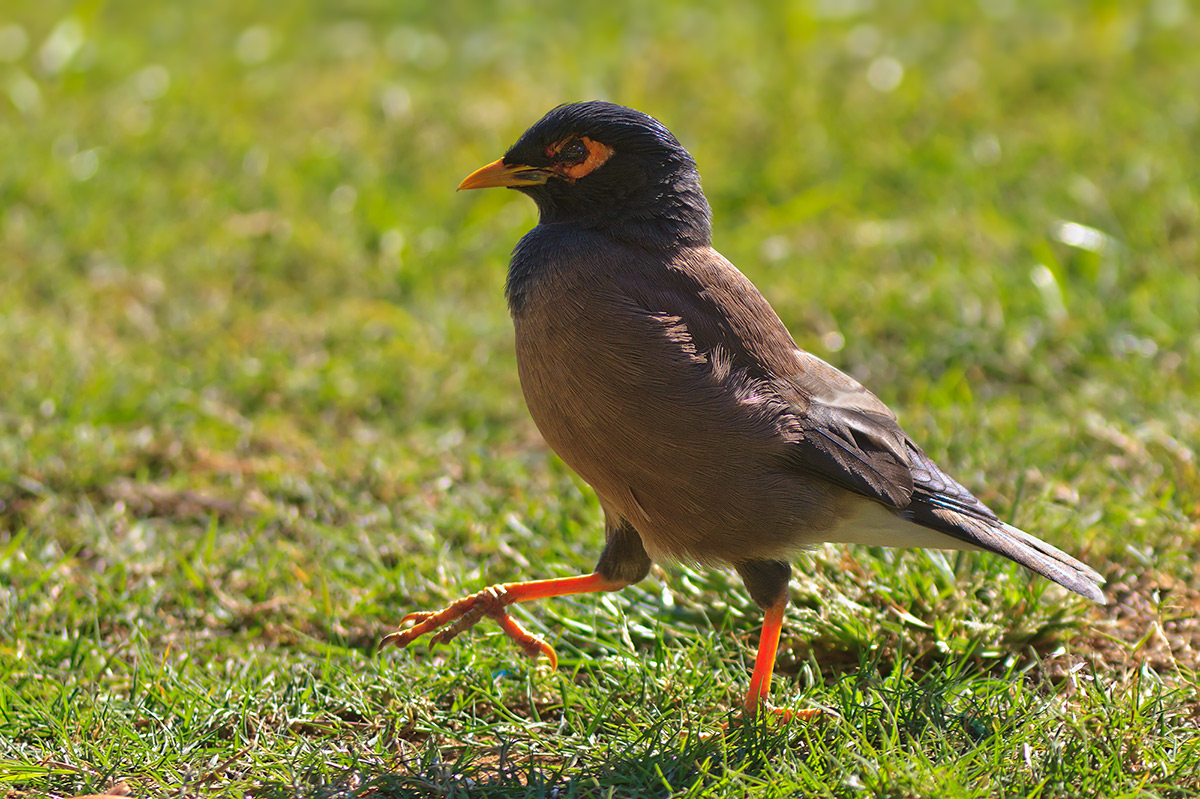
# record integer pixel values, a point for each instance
(258, 398)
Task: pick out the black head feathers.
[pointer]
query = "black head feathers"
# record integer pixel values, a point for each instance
(611, 168)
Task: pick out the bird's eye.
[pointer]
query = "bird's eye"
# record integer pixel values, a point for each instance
(573, 152)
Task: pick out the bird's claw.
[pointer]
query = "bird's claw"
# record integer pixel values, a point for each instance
(787, 715)
(530, 644)
(465, 614)
(782, 715)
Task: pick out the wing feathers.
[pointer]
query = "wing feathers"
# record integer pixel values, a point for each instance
(837, 429)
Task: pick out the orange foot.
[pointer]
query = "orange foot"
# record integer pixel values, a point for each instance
(465, 614)
(788, 716)
(784, 716)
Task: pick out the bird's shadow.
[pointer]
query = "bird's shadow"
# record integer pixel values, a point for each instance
(671, 753)
(658, 762)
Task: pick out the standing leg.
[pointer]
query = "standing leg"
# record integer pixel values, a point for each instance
(764, 661)
(767, 582)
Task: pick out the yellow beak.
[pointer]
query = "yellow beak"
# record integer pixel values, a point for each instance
(499, 173)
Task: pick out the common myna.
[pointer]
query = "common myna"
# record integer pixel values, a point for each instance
(661, 375)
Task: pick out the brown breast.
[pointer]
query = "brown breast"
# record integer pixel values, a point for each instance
(684, 443)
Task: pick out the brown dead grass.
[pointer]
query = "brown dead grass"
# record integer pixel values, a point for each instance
(1153, 620)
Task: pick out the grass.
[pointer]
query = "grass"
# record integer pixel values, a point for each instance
(258, 398)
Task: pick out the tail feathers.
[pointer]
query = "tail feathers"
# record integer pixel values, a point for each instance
(951, 524)
(1032, 553)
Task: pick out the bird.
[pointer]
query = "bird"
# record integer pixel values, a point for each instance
(661, 375)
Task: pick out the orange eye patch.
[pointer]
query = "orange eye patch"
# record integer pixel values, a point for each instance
(567, 164)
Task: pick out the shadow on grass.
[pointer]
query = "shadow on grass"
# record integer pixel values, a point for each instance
(659, 762)
(673, 754)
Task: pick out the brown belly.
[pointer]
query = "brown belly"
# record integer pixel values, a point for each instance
(690, 458)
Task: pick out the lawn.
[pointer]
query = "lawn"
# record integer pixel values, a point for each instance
(258, 398)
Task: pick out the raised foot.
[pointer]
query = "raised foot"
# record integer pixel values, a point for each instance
(465, 614)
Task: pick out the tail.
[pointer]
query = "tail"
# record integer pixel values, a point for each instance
(973, 524)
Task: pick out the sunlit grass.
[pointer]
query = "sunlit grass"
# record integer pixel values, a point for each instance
(258, 398)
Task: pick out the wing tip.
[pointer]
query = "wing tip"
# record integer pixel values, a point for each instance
(1080, 577)
(1088, 589)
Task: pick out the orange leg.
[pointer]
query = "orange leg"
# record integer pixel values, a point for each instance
(764, 663)
(492, 601)
(764, 667)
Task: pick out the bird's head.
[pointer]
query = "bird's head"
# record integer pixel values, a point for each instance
(607, 167)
